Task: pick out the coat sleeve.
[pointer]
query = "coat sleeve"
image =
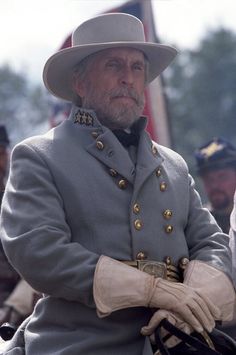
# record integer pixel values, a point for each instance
(36, 236)
(205, 239)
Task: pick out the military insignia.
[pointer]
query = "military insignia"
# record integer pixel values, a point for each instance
(212, 149)
(83, 118)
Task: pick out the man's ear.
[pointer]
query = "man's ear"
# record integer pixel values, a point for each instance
(78, 86)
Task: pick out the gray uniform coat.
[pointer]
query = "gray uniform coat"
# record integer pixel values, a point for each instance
(73, 195)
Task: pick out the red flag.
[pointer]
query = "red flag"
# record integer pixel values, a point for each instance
(156, 104)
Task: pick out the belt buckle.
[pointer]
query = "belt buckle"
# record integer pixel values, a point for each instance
(154, 268)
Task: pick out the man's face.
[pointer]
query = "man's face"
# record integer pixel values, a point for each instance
(114, 86)
(220, 185)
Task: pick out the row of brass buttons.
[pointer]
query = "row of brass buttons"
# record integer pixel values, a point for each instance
(100, 146)
(122, 183)
(167, 214)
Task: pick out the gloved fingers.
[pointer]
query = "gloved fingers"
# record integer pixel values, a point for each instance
(214, 310)
(157, 317)
(172, 318)
(203, 314)
(187, 313)
(195, 311)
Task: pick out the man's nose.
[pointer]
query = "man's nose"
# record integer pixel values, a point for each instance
(127, 77)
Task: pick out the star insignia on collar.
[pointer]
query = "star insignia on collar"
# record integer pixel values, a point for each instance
(83, 118)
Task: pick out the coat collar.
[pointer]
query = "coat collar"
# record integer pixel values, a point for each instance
(105, 147)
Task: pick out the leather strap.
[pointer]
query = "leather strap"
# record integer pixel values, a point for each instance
(199, 345)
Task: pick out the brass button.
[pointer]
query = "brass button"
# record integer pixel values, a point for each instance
(154, 150)
(138, 224)
(169, 228)
(141, 256)
(100, 145)
(136, 208)
(95, 134)
(113, 172)
(122, 184)
(163, 186)
(158, 172)
(183, 262)
(167, 214)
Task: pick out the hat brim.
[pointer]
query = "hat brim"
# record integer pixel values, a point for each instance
(58, 70)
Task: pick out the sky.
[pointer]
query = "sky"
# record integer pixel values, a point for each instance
(32, 30)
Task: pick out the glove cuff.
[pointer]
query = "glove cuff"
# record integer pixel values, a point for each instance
(213, 283)
(117, 286)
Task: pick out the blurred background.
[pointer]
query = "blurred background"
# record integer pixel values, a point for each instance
(198, 91)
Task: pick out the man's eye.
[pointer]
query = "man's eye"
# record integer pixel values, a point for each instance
(138, 67)
(113, 64)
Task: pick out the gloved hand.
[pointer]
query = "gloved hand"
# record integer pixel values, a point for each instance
(10, 315)
(191, 305)
(214, 284)
(173, 318)
(118, 286)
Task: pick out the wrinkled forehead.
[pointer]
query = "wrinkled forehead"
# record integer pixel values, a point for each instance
(122, 53)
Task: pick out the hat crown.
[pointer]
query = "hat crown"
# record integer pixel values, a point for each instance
(215, 154)
(106, 31)
(101, 29)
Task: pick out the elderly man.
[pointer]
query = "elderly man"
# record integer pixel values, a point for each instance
(216, 164)
(101, 219)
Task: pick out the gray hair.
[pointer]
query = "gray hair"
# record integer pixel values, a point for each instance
(81, 71)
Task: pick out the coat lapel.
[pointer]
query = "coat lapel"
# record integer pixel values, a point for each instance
(148, 160)
(107, 149)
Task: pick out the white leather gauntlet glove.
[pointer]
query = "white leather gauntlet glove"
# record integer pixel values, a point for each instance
(118, 286)
(211, 282)
(214, 284)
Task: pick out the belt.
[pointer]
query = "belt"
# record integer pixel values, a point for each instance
(164, 270)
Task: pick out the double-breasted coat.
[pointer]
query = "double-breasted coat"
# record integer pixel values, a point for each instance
(74, 194)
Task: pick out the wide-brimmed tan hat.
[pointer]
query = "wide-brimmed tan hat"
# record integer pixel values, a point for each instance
(103, 32)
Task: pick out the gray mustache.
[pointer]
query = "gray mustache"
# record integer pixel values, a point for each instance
(127, 92)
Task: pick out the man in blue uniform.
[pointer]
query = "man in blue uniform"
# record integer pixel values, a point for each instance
(216, 165)
(101, 219)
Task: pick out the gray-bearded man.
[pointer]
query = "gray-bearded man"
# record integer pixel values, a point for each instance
(99, 220)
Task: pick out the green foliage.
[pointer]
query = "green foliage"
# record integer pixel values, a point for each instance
(201, 88)
(23, 107)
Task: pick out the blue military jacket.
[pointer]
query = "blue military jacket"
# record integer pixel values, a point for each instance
(74, 194)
